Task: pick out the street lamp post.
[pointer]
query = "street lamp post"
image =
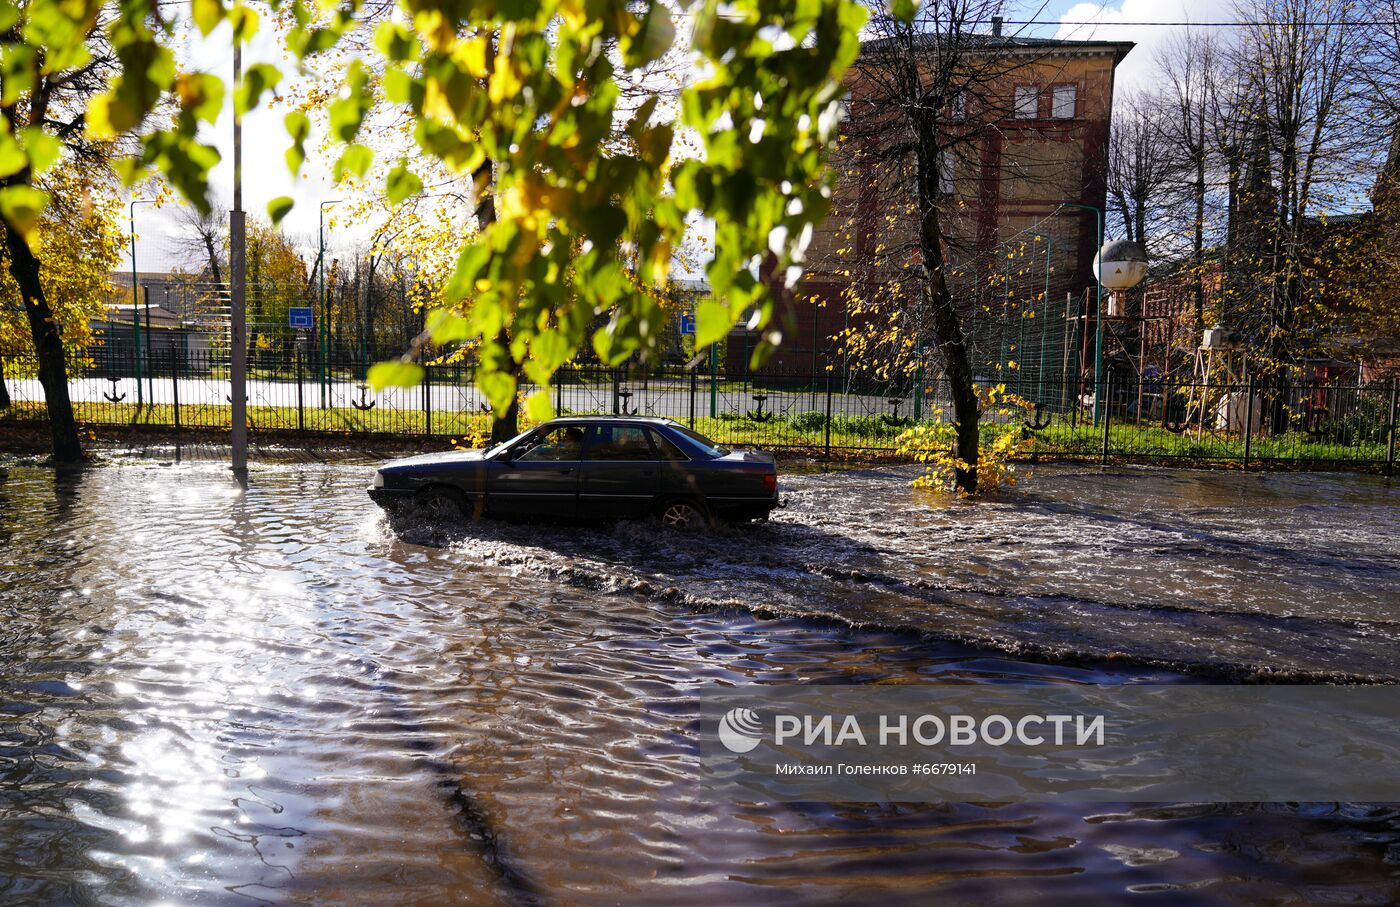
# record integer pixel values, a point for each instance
(136, 298)
(238, 290)
(321, 272)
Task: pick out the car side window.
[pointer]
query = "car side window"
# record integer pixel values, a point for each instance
(620, 442)
(666, 447)
(558, 444)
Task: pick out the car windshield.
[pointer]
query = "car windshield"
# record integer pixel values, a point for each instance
(493, 451)
(709, 446)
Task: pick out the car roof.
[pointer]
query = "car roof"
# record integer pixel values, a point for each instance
(589, 420)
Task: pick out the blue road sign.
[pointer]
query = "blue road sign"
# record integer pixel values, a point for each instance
(299, 317)
(688, 323)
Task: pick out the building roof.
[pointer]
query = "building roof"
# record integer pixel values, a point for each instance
(987, 43)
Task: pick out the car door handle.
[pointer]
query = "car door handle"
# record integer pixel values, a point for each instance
(648, 472)
(566, 470)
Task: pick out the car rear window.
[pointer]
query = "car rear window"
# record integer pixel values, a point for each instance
(710, 447)
(666, 447)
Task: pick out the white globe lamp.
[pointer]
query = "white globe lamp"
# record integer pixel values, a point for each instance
(1119, 266)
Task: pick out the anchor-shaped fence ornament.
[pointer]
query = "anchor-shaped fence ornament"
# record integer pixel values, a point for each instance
(758, 415)
(893, 418)
(364, 403)
(1314, 420)
(247, 413)
(1040, 420)
(1173, 426)
(625, 397)
(113, 397)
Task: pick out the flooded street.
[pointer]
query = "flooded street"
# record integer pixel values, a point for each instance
(220, 696)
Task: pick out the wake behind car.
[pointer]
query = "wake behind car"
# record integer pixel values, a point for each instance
(591, 467)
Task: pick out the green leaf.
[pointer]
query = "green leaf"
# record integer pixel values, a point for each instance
(245, 22)
(499, 388)
(203, 94)
(538, 406)
(395, 42)
(12, 156)
(654, 36)
(904, 10)
(637, 125)
(278, 208)
(447, 326)
(397, 85)
(43, 149)
(347, 112)
(355, 159)
(394, 374)
(259, 78)
(712, 322)
(20, 206)
(298, 127)
(401, 184)
(207, 14)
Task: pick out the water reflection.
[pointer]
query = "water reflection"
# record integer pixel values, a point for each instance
(219, 695)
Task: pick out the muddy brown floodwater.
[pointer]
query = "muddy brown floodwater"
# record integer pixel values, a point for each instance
(217, 696)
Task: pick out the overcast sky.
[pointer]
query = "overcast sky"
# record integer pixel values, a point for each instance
(265, 174)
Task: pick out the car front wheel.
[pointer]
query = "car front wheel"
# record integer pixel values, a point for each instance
(441, 504)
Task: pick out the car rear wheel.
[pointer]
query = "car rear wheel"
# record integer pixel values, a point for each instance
(441, 504)
(684, 515)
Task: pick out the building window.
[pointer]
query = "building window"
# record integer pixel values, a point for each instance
(1027, 100)
(945, 173)
(1065, 98)
(957, 107)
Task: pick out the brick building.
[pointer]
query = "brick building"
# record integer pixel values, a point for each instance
(1032, 138)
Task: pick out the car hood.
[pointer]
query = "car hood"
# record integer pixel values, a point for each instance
(444, 458)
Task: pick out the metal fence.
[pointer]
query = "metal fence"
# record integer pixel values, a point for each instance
(823, 412)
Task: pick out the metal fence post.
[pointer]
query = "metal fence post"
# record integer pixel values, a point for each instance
(1390, 445)
(175, 384)
(694, 387)
(427, 400)
(1248, 417)
(828, 414)
(617, 389)
(301, 418)
(1107, 408)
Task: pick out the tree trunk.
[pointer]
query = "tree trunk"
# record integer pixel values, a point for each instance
(1198, 234)
(4, 391)
(213, 260)
(947, 327)
(506, 425)
(48, 347)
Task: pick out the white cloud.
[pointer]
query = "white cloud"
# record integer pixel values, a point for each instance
(1116, 23)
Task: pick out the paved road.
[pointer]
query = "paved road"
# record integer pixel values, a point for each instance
(673, 399)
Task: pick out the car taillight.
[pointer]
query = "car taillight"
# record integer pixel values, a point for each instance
(770, 482)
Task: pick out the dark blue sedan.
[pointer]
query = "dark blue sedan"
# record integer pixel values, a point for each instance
(593, 467)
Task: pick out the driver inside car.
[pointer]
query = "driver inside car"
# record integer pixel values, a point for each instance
(565, 444)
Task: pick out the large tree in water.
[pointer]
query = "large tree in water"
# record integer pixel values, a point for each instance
(929, 90)
(57, 57)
